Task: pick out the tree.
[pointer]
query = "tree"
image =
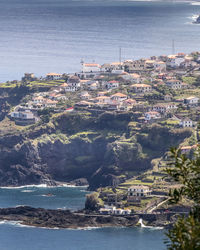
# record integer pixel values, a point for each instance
(92, 202)
(185, 234)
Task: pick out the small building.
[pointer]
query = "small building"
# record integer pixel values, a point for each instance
(138, 191)
(23, 117)
(90, 67)
(152, 115)
(175, 61)
(85, 95)
(38, 100)
(127, 104)
(192, 101)
(167, 98)
(103, 99)
(29, 77)
(187, 149)
(119, 97)
(94, 86)
(60, 97)
(141, 88)
(174, 84)
(186, 123)
(164, 107)
(50, 103)
(112, 85)
(53, 76)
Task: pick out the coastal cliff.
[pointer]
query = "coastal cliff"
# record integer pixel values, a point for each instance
(104, 149)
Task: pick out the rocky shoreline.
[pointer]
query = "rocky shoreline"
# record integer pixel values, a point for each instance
(65, 219)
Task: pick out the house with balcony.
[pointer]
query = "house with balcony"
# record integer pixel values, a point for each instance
(135, 193)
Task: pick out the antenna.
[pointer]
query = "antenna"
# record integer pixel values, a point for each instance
(120, 56)
(173, 47)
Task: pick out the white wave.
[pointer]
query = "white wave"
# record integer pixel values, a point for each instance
(20, 224)
(150, 227)
(46, 195)
(27, 191)
(44, 186)
(193, 17)
(27, 186)
(10, 222)
(72, 186)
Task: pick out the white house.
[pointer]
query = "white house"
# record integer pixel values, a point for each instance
(53, 76)
(50, 103)
(164, 107)
(175, 61)
(192, 100)
(112, 85)
(160, 66)
(141, 88)
(185, 123)
(94, 86)
(152, 115)
(174, 84)
(38, 100)
(138, 191)
(24, 115)
(119, 97)
(85, 95)
(90, 67)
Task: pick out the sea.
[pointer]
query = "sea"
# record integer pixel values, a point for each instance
(42, 36)
(14, 236)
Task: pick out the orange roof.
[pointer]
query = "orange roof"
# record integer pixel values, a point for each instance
(53, 74)
(64, 85)
(130, 101)
(141, 85)
(119, 95)
(91, 65)
(50, 101)
(102, 97)
(135, 75)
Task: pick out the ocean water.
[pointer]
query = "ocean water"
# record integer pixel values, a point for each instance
(42, 36)
(37, 196)
(14, 236)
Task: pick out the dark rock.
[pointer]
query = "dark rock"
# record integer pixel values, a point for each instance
(79, 182)
(197, 20)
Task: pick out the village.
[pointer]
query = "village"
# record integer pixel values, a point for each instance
(158, 90)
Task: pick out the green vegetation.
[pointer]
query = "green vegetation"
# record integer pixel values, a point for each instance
(185, 234)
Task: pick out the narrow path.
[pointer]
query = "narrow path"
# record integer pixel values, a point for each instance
(157, 206)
